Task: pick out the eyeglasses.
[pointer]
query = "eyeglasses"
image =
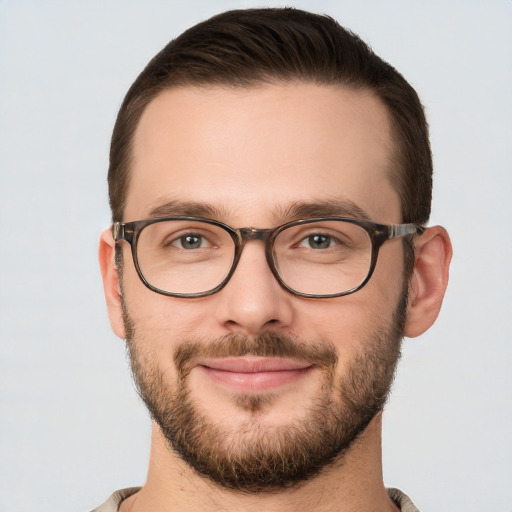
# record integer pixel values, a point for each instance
(314, 258)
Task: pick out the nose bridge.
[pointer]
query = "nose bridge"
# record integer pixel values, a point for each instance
(250, 234)
(253, 299)
(255, 234)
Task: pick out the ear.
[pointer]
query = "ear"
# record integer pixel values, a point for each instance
(111, 282)
(433, 253)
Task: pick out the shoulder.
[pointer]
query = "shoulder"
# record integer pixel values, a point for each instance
(112, 504)
(402, 501)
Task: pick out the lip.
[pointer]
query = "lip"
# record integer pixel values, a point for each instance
(254, 374)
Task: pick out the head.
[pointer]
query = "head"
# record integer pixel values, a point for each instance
(254, 119)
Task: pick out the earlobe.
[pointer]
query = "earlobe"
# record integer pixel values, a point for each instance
(110, 278)
(433, 253)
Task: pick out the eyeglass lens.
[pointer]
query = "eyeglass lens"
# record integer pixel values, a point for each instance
(320, 258)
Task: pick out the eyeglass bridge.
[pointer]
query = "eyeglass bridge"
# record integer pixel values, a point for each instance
(248, 234)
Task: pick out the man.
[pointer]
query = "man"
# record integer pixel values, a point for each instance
(270, 181)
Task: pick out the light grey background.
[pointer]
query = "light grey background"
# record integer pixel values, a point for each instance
(71, 427)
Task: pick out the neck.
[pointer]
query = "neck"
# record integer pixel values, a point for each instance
(353, 483)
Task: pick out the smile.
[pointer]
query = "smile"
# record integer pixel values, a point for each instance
(254, 374)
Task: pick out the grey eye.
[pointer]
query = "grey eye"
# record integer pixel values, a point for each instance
(317, 241)
(190, 241)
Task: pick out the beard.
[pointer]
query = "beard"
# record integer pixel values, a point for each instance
(255, 457)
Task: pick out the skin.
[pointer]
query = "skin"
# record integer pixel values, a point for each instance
(250, 154)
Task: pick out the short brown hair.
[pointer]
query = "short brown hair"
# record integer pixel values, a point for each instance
(244, 48)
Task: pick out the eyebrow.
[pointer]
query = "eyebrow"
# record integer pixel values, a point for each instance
(188, 209)
(281, 214)
(329, 208)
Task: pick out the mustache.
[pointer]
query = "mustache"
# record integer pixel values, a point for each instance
(270, 344)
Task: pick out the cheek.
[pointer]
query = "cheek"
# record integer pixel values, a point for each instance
(345, 322)
(353, 321)
(387, 281)
(164, 322)
(151, 318)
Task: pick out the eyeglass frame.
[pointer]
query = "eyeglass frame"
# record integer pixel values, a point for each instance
(378, 233)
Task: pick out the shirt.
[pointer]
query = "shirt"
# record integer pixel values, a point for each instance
(112, 504)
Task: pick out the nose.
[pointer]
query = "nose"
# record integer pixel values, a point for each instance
(253, 301)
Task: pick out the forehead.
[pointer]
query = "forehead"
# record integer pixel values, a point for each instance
(253, 152)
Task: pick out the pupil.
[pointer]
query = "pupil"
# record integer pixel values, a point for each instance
(319, 241)
(191, 242)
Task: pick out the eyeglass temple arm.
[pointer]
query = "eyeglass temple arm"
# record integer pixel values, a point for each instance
(400, 230)
(121, 231)
(117, 231)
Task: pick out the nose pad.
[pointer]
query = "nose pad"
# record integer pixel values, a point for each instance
(253, 299)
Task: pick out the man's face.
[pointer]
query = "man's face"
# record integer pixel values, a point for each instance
(253, 386)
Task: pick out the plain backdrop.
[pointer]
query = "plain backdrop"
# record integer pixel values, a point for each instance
(72, 428)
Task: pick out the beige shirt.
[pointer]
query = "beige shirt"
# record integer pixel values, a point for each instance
(112, 504)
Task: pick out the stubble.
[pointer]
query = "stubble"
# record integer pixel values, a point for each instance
(255, 457)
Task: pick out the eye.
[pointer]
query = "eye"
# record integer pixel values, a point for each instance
(317, 241)
(190, 241)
